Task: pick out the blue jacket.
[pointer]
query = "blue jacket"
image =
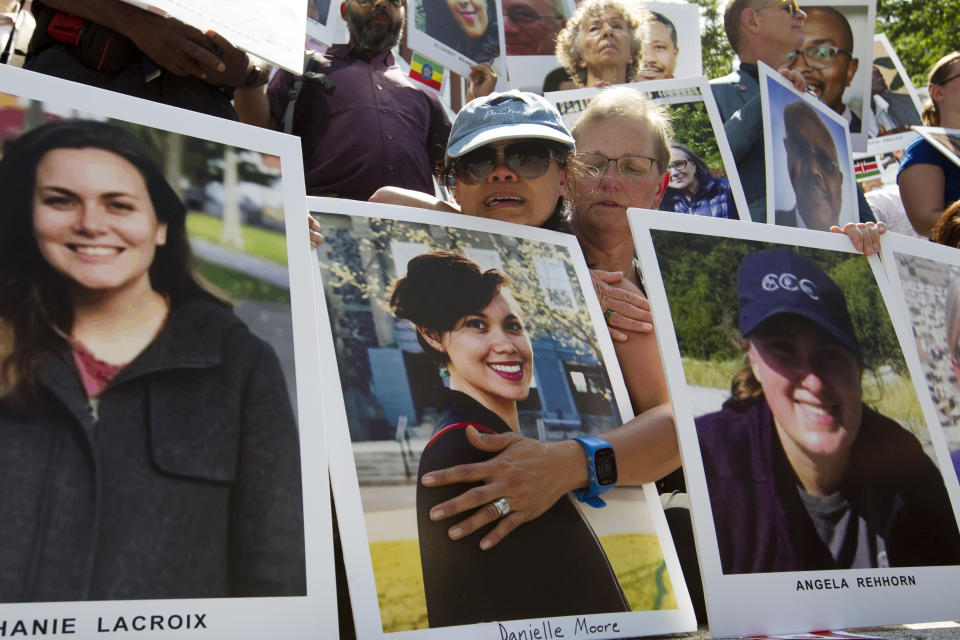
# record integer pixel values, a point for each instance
(713, 198)
(762, 524)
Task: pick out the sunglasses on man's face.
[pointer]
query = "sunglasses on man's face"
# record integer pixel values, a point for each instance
(790, 6)
(528, 159)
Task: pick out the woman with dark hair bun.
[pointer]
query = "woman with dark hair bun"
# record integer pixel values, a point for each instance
(147, 444)
(472, 326)
(467, 26)
(692, 189)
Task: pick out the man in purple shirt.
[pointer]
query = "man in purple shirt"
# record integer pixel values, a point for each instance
(366, 125)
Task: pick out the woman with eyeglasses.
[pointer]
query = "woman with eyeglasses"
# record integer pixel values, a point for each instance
(477, 337)
(928, 180)
(148, 448)
(602, 43)
(467, 26)
(692, 189)
(802, 474)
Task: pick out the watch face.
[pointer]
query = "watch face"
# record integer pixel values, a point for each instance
(605, 462)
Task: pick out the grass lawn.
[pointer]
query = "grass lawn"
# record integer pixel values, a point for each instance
(263, 243)
(239, 286)
(710, 373)
(636, 560)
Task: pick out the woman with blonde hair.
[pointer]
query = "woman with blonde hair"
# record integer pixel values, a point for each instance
(928, 179)
(602, 43)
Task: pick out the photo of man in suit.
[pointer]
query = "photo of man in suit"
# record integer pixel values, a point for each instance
(815, 173)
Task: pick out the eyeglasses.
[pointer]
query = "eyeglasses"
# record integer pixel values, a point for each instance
(370, 3)
(528, 159)
(630, 167)
(804, 153)
(679, 165)
(526, 15)
(819, 56)
(790, 6)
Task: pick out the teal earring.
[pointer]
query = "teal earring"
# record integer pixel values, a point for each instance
(443, 371)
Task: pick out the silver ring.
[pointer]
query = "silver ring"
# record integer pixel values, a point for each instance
(502, 506)
(607, 313)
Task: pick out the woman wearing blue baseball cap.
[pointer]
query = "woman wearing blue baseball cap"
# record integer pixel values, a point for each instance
(802, 475)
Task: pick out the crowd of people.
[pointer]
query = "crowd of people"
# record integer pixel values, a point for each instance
(369, 133)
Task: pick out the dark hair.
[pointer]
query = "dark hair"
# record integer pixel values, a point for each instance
(942, 69)
(947, 229)
(439, 289)
(34, 305)
(440, 24)
(701, 170)
(551, 81)
(665, 21)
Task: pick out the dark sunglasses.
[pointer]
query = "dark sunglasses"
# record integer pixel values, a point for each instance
(790, 6)
(819, 56)
(527, 158)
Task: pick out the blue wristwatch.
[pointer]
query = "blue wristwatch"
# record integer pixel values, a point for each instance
(601, 470)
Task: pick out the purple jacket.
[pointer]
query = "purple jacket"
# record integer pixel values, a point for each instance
(762, 524)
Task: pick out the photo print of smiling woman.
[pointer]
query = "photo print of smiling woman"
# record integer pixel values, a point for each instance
(443, 321)
(812, 471)
(155, 343)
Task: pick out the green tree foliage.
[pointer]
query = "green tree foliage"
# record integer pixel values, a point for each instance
(717, 54)
(920, 32)
(691, 126)
(700, 278)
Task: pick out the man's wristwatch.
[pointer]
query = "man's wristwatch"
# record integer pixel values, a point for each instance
(601, 470)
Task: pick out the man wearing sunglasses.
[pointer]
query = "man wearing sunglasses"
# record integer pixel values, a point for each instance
(758, 30)
(826, 59)
(362, 123)
(814, 171)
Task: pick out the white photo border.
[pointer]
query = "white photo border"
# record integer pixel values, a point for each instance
(247, 617)
(850, 210)
(353, 533)
(770, 603)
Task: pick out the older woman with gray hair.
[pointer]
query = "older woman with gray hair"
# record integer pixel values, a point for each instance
(602, 42)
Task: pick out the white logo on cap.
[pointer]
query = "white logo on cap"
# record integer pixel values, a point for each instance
(505, 107)
(789, 282)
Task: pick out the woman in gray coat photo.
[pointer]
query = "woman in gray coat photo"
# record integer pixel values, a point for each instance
(148, 448)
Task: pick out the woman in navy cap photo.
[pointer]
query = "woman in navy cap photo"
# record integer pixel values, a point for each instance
(802, 475)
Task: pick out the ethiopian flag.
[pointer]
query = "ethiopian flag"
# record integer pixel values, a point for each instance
(426, 71)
